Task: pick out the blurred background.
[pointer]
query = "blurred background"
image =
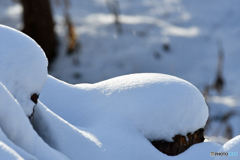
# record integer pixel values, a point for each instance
(87, 41)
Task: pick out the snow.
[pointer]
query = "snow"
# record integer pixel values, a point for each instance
(122, 108)
(7, 153)
(191, 28)
(23, 66)
(18, 129)
(64, 137)
(232, 146)
(145, 100)
(201, 151)
(22, 153)
(109, 137)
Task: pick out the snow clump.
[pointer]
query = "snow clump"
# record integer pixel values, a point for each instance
(159, 106)
(232, 148)
(23, 66)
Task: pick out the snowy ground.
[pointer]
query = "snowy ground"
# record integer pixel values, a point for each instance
(193, 29)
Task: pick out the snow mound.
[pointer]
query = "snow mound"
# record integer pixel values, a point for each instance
(8, 153)
(23, 66)
(110, 139)
(64, 137)
(18, 129)
(232, 147)
(200, 151)
(159, 106)
(22, 153)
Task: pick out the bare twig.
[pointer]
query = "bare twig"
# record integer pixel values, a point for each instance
(219, 82)
(113, 7)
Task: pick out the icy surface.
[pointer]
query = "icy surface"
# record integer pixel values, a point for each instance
(159, 106)
(23, 66)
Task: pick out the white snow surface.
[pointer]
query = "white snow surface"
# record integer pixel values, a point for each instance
(61, 135)
(112, 140)
(157, 105)
(195, 32)
(8, 153)
(232, 146)
(18, 129)
(110, 137)
(192, 29)
(23, 66)
(22, 153)
(199, 151)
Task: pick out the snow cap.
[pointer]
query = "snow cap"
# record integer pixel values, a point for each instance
(23, 66)
(161, 106)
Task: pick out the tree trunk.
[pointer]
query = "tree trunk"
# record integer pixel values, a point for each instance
(38, 24)
(180, 143)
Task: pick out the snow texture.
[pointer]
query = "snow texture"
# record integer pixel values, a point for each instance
(116, 140)
(159, 106)
(109, 138)
(59, 134)
(18, 129)
(7, 153)
(232, 146)
(113, 119)
(23, 66)
(10, 144)
(199, 151)
(194, 31)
